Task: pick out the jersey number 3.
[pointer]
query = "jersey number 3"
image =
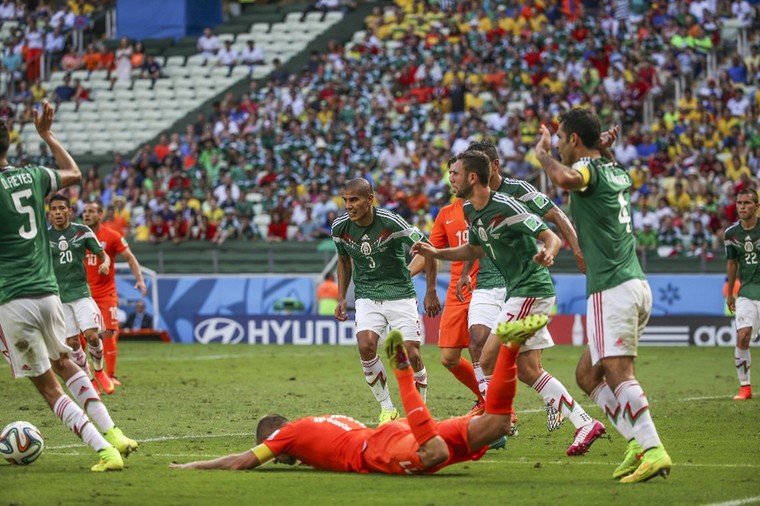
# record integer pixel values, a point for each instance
(21, 208)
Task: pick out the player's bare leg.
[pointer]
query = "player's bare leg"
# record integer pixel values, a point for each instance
(374, 374)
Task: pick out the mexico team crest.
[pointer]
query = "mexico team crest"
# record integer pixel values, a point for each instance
(63, 245)
(366, 249)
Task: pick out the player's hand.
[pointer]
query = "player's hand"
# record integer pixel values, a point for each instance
(544, 144)
(608, 138)
(580, 261)
(103, 269)
(140, 285)
(340, 311)
(43, 121)
(432, 303)
(464, 280)
(424, 249)
(731, 302)
(544, 258)
(177, 465)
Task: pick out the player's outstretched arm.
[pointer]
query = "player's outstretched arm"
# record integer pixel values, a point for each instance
(234, 462)
(463, 252)
(417, 265)
(67, 167)
(560, 174)
(134, 266)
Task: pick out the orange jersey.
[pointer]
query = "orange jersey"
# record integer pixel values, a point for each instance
(451, 230)
(330, 442)
(113, 243)
(340, 443)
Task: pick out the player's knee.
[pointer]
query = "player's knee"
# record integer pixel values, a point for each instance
(415, 358)
(449, 361)
(106, 334)
(434, 452)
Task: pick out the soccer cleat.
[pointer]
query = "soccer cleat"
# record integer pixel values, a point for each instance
(115, 381)
(513, 430)
(631, 461)
(585, 437)
(521, 330)
(478, 409)
(396, 351)
(655, 462)
(498, 444)
(110, 460)
(121, 442)
(387, 415)
(105, 381)
(554, 418)
(745, 392)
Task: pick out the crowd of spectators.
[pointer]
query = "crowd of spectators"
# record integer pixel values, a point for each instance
(428, 78)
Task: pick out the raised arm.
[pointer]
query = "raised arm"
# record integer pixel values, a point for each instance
(67, 167)
(560, 174)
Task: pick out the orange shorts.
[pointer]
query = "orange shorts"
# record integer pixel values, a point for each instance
(392, 448)
(454, 331)
(109, 310)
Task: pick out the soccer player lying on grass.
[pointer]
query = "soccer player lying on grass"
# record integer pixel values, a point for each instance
(416, 444)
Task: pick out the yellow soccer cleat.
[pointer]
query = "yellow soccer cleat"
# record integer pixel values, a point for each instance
(655, 462)
(631, 461)
(387, 415)
(122, 443)
(521, 330)
(396, 351)
(110, 460)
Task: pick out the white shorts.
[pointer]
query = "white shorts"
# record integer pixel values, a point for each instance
(485, 306)
(616, 318)
(32, 334)
(748, 314)
(377, 315)
(80, 315)
(520, 307)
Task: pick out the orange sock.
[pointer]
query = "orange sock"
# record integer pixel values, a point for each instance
(82, 341)
(503, 386)
(419, 419)
(110, 346)
(466, 376)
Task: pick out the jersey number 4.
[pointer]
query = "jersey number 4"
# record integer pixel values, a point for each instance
(21, 208)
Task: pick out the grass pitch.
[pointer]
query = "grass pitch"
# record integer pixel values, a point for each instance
(190, 402)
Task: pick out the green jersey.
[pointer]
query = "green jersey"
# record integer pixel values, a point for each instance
(27, 268)
(538, 203)
(507, 230)
(744, 247)
(377, 250)
(601, 212)
(68, 248)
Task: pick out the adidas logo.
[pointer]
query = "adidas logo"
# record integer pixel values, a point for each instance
(480, 222)
(748, 238)
(26, 367)
(365, 237)
(83, 389)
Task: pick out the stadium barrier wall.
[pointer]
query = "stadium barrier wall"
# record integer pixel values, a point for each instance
(688, 309)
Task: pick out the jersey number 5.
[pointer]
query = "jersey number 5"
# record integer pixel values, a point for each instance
(25, 209)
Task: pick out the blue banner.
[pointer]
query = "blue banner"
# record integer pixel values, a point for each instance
(185, 300)
(266, 329)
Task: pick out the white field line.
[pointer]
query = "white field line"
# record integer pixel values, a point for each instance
(737, 502)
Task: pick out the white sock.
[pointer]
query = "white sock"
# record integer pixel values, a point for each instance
(481, 378)
(484, 386)
(96, 354)
(605, 398)
(374, 373)
(87, 397)
(635, 407)
(74, 418)
(79, 357)
(743, 363)
(420, 381)
(556, 395)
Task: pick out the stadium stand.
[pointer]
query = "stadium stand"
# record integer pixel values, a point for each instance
(388, 91)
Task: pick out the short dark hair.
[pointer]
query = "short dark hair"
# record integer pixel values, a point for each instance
(451, 162)
(5, 139)
(359, 185)
(269, 424)
(486, 147)
(748, 191)
(477, 162)
(584, 123)
(62, 198)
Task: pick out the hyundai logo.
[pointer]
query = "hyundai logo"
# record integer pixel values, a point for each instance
(219, 330)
